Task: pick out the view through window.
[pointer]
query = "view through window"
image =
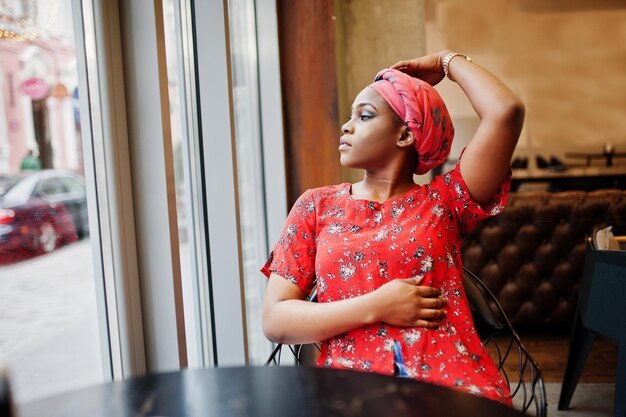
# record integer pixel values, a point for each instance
(247, 124)
(49, 334)
(186, 176)
(247, 117)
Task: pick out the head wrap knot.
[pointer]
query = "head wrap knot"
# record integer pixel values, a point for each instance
(419, 105)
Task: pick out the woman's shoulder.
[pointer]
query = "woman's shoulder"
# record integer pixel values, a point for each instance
(326, 195)
(328, 191)
(448, 178)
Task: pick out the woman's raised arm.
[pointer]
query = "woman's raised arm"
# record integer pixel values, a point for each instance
(486, 160)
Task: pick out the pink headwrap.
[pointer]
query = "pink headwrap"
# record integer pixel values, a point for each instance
(419, 105)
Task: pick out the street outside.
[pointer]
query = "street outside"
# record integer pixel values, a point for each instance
(49, 334)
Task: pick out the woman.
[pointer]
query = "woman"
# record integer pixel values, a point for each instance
(384, 252)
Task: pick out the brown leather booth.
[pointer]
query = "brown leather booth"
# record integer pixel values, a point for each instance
(531, 255)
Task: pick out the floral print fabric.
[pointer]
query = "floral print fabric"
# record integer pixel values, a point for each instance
(351, 247)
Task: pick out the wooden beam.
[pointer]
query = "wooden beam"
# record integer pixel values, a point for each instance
(307, 40)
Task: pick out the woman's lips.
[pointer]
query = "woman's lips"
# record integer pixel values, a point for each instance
(343, 145)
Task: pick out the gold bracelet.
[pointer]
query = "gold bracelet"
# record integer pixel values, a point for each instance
(446, 62)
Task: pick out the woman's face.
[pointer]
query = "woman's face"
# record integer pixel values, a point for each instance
(370, 135)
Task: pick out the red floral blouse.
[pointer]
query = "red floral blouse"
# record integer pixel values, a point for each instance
(351, 247)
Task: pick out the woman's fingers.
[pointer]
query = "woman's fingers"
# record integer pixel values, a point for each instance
(427, 68)
(426, 324)
(404, 302)
(436, 303)
(429, 318)
(432, 314)
(413, 280)
(428, 292)
(429, 297)
(401, 64)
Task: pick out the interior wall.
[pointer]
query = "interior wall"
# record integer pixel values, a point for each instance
(306, 32)
(372, 35)
(565, 59)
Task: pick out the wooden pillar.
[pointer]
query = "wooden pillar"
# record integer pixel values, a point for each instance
(306, 31)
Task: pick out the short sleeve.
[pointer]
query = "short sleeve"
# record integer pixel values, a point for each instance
(293, 256)
(468, 211)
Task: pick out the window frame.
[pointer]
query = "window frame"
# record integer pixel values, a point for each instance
(132, 217)
(108, 187)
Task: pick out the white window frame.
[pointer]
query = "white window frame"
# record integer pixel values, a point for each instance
(132, 204)
(271, 107)
(152, 173)
(109, 192)
(217, 132)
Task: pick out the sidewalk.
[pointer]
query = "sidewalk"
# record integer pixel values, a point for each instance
(48, 322)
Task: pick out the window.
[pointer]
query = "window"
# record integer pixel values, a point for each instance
(188, 184)
(50, 188)
(73, 185)
(247, 119)
(50, 327)
(73, 121)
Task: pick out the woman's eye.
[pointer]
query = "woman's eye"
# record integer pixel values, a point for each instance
(366, 116)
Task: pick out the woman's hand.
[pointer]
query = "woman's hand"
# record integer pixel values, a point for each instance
(428, 68)
(405, 303)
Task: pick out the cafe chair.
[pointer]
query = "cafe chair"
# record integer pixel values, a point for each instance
(516, 365)
(600, 312)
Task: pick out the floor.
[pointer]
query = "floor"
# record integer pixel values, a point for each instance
(594, 393)
(589, 400)
(550, 352)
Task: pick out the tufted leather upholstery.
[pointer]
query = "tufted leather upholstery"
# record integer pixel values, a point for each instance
(531, 255)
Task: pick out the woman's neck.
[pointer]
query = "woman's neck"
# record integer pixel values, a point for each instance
(381, 188)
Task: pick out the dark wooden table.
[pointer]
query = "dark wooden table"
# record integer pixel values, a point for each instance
(265, 391)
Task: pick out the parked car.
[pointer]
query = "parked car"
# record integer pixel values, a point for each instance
(42, 210)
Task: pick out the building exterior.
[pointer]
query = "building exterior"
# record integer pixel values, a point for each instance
(38, 103)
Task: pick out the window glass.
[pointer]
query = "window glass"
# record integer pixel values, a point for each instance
(49, 330)
(6, 182)
(72, 185)
(19, 189)
(249, 169)
(51, 187)
(189, 204)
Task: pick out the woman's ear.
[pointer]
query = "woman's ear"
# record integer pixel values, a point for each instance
(406, 138)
